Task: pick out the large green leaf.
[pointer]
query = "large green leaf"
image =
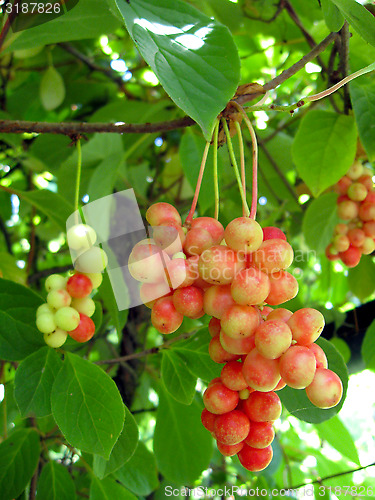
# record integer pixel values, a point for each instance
(195, 352)
(33, 382)
(324, 148)
(319, 221)
(193, 56)
(19, 455)
(368, 347)
(139, 474)
(108, 489)
(298, 404)
(193, 442)
(122, 451)
(177, 378)
(359, 18)
(18, 334)
(88, 19)
(118, 318)
(87, 406)
(332, 15)
(337, 435)
(362, 93)
(361, 278)
(55, 483)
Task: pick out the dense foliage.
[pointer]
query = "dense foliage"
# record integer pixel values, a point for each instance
(119, 415)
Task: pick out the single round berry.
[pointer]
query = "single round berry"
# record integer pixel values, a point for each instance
(95, 278)
(85, 329)
(85, 306)
(240, 321)
(341, 242)
(271, 233)
(45, 322)
(94, 260)
(219, 264)
(325, 391)
(273, 338)
(81, 237)
(355, 171)
(368, 246)
(306, 324)
(351, 257)
(232, 427)
(229, 450)
(44, 308)
(347, 209)
(56, 338)
(261, 434)
(260, 373)
(232, 376)
(208, 420)
(284, 287)
(280, 314)
(161, 212)
(58, 298)
(217, 353)
(67, 318)
(211, 225)
(216, 300)
(254, 459)
(79, 286)
(197, 241)
(218, 399)
(169, 236)
(262, 406)
(55, 282)
(357, 191)
(188, 301)
(149, 293)
(250, 286)
(147, 263)
(243, 235)
(367, 211)
(273, 255)
(239, 346)
(297, 367)
(164, 316)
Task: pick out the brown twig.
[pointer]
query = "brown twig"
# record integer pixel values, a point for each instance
(74, 128)
(146, 352)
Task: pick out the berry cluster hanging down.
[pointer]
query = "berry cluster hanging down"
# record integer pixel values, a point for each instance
(356, 207)
(69, 307)
(235, 276)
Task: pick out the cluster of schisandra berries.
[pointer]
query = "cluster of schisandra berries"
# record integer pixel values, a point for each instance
(69, 307)
(235, 275)
(356, 206)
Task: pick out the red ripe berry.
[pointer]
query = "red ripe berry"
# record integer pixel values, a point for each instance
(214, 327)
(342, 186)
(217, 353)
(85, 330)
(232, 427)
(261, 434)
(232, 377)
(262, 406)
(254, 459)
(189, 301)
(219, 399)
(270, 233)
(228, 450)
(208, 420)
(79, 286)
(351, 257)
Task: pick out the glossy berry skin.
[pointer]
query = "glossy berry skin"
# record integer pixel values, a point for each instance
(240, 321)
(260, 373)
(273, 338)
(45, 322)
(161, 212)
(95, 278)
(254, 459)
(297, 367)
(188, 301)
(55, 282)
(232, 377)
(94, 260)
(197, 241)
(320, 356)
(214, 327)
(149, 293)
(147, 262)
(217, 353)
(81, 237)
(58, 298)
(237, 346)
(218, 399)
(262, 406)
(243, 235)
(229, 450)
(211, 225)
(271, 233)
(84, 306)
(347, 209)
(85, 329)
(164, 316)
(284, 287)
(55, 339)
(325, 391)
(208, 420)
(45, 308)
(250, 287)
(232, 427)
(261, 434)
(216, 300)
(306, 325)
(351, 257)
(281, 314)
(273, 255)
(79, 286)
(169, 236)
(179, 274)
(218, 265)
(67, 318)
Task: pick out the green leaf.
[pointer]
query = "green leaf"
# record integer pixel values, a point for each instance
(55, 483)
(342, 347)
(108, 489)
(296, 401)
(195, 352)
(177, 378)
(332, 15)
(33, 382)
(368, 347)
(88, 19)
(19, 455)
(140, 473)
(118, 318)
(10, 270)
(324, 148)
(52, 89)
(319, 221)
(359, 18)
(362, 96)
(193, 56)
(18, 334)
(193, 442)
(122, 451)
(87, 406)
(46, 201)
(337, 435)
(361, 278)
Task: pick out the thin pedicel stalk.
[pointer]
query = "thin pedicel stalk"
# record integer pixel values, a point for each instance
(254, 142)
(216, 178)
(78, 177)
(242, 158)
(235, 167)
(189, 218)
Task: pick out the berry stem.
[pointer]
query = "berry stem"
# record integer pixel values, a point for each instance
(254, 142)
(242, 158)
(235, 166)
(216, 178)
(189, 218)
(78, 177)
